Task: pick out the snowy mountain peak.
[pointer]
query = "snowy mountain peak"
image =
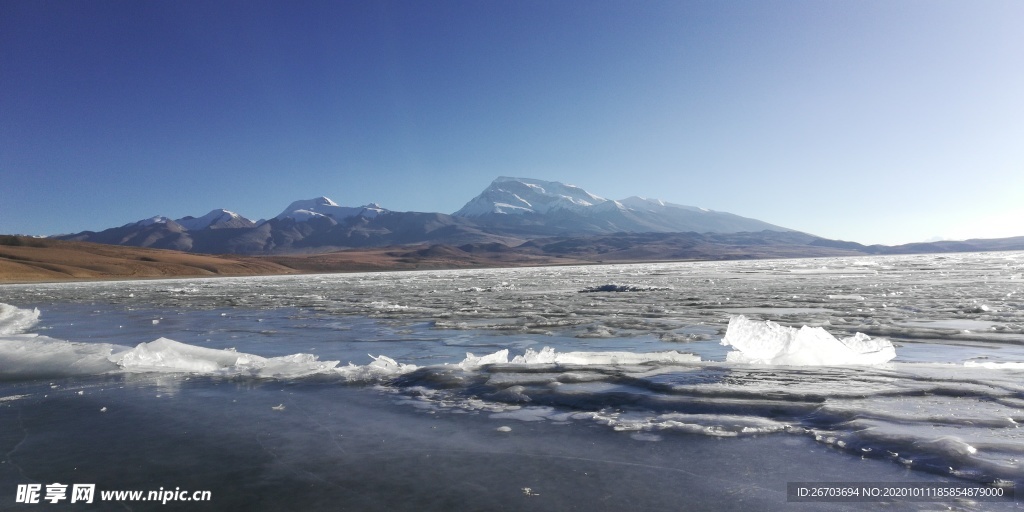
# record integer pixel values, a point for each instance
(159, 219)
(507, 195)
(311, 205)
(219, 218)
(304, 210)
(643, 201)
(371, 210)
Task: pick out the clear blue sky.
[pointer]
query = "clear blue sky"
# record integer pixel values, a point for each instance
(875, 121)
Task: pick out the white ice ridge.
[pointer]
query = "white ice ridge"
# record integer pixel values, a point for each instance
(14, 320)
(992, 365)
(29, 355)
(166, 355)
(169, 355)
(547, 355)
(770, 343)
(33, 355)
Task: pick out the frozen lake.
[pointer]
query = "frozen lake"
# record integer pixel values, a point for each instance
(558, 388)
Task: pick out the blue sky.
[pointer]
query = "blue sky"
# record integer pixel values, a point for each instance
(872, 121)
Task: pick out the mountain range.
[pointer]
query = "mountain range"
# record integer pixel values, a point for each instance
(514, 221)
(510, 211)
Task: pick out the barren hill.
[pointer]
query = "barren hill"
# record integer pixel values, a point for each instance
(26, 259)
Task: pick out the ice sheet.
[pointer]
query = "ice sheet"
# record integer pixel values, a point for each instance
(898, 294)
(949, 403)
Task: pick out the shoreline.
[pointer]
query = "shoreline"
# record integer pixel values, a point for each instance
(25, 260)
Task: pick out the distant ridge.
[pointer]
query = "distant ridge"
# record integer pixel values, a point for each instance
(25, 259)
(522, 215)
(509, 211)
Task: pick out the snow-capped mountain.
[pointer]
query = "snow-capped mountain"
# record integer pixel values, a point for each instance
(216, 219)
(510, 211)
(523, 195)
(309, 225)
(158, 219)
(537, 207)
(304, 210)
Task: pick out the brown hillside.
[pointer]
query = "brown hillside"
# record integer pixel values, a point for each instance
(25, 259)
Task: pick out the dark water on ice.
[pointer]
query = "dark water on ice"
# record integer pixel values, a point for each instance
(633, 406)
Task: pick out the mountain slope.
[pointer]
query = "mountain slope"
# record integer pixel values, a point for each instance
(543, 208)
(158, 233)
(34, 259)
(304, 210)
(216, 219)
(517, 196)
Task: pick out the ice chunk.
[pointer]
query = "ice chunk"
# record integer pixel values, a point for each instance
(31, 356)
(166, 355)
(34, 356)
(547, 355)
(14, 320)
(382, 367)
(770, 343)
(295, 365)
(471, 361)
